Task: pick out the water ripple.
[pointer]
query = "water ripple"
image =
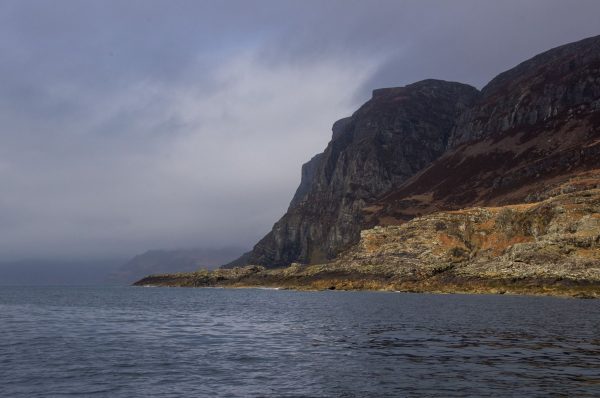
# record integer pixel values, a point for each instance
(124, 342)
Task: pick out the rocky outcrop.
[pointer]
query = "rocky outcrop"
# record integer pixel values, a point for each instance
(391, 137)
(556, 238)
(547, 247)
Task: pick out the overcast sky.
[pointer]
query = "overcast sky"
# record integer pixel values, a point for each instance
(130, 125)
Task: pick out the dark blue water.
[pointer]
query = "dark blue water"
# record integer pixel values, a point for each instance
(145, 342)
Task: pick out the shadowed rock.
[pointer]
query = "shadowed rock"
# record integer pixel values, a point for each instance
(534, 126)
(391, 137)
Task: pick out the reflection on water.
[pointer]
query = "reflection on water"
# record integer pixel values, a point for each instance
(123, 342)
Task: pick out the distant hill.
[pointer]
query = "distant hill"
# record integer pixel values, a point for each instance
(169, 261)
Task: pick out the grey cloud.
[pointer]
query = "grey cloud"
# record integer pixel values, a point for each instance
(147, 124)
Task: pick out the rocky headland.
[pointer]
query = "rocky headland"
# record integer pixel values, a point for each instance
(439, 187)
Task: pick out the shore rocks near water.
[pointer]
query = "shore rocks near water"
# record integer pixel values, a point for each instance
(550, 247)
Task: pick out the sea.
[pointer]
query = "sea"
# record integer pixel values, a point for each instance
(183, 342)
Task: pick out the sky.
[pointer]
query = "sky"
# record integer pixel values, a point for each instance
(140, 124)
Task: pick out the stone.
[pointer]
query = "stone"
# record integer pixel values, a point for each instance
(391, 137)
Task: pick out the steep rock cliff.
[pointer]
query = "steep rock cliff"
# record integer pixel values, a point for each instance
(535, 125)
(391, 137)
(560, 83)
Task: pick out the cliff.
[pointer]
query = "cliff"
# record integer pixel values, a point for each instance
(533, 126)
(438, 187)
(557, 85)
(437, 145)
(390, 138)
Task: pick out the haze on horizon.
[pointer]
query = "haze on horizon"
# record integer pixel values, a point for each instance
(131, 125)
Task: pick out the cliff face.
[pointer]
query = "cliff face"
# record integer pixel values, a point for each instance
(533, 126)
(391, 137)
(559, 84)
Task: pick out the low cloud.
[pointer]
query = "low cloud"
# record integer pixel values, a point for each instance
(160, 165)
(127, 126)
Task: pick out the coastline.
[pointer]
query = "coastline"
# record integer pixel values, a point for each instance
(258, 277)
(551, 248)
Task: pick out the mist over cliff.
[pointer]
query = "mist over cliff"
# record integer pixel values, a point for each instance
(436, 145)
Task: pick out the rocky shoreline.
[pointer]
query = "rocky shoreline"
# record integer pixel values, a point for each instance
(446, 284)
(551, 247)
